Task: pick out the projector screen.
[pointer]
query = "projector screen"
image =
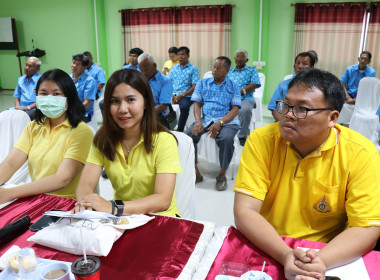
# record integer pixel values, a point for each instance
(8, 37)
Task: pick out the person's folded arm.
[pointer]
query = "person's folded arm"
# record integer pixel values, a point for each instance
(17, 103)
(251, 87)
(349, 245)
(157, 202)
(66, 172)
(160, 108)
(263, 235)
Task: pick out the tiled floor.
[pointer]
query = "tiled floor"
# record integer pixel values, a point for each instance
(211, 205)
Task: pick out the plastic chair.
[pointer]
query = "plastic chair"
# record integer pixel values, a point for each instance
(287, 77)
(185, 181)
(257, 113)
(364, 119)
(12, 124)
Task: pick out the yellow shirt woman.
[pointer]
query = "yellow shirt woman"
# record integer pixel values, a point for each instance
(136, 178)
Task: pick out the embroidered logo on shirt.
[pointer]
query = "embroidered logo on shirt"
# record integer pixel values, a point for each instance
(322, 206)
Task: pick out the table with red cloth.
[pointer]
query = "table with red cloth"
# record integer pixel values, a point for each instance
(159, 249)
(235, 248)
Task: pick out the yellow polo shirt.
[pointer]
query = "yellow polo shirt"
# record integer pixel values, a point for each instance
(316, 197)
(136, 178)
(46, 149)
(169, 64)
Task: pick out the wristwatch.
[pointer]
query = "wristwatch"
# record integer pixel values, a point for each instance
(120, 207)
(28, 107)
(221, 123)
(244, 91)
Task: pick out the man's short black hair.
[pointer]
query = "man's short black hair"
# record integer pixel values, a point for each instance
(367, 53)
(183, 48)
(226, 61)
(306, 54)
(87, 53)
(327, 83)
(173, 50)
(82, 58)
(137, 51)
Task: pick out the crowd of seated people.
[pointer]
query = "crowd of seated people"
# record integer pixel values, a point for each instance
(304, 176)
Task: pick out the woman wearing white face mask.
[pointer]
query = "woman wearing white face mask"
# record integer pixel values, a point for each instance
(55, 144)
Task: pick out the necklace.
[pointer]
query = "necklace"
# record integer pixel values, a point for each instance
(128, 149)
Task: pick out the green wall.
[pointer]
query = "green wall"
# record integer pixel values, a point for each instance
(64, 28)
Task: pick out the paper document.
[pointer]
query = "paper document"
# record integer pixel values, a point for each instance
(84, 214)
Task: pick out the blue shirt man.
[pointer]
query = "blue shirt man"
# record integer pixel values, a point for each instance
(354, 73)
(162, 87)
(25, 92)
(85, 84)
(133, 56)
(303, 61)
(219, 99)
(247, 80)
(96, 72)
(184, 77)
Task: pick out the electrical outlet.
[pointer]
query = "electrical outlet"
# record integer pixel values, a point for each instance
(259, 64)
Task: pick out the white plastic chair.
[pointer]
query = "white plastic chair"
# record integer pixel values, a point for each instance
(12, 124)
(287, 77)
(185, 181)
(257, 113)
(364, 119)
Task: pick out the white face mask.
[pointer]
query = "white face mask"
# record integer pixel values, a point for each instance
(51, 106)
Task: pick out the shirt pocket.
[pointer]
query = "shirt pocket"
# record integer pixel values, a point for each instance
(327, 199)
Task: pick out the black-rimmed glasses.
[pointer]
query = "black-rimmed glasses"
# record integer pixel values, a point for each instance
(299, 112)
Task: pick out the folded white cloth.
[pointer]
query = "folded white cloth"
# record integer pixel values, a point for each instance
(99, 234)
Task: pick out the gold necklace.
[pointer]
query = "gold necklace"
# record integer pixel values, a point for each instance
(128, 149)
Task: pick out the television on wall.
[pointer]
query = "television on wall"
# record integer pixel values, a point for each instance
(8, 34)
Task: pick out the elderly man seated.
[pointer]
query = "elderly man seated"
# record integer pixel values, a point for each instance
(308, 177)
(247, 80)
(25, 92)
(219, 99)
(162, 87)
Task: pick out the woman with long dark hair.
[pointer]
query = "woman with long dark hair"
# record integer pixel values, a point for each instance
(139, 155)
(56, 143)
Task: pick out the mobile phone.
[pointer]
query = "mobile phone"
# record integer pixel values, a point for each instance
(210, 124)
(332, 278)
(44, 221)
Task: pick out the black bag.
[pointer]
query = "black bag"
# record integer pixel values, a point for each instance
(171, 118)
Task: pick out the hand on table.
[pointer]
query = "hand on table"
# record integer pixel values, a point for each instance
(295, 266)
(213, 131)
(93, 202)
(309, 261)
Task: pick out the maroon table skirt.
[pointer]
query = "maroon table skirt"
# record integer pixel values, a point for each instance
(158, 250)
(239, 250)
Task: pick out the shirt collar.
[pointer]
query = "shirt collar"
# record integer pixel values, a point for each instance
(242, 69)
(65, 123)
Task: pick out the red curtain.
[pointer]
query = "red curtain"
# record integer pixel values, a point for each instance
(333, 30)
(205, 30)
(373, 36)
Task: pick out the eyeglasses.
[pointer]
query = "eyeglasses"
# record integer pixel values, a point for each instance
(299, 112)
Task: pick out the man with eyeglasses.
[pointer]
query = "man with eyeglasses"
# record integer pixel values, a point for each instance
(303, 61)
(308, 177)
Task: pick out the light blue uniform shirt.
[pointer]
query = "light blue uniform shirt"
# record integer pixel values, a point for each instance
(97, 73)
(246, 76)
(378, 113)
(352, 76)
(279, 93)
(129, 66)
(183, 78)
(216, 100)
(26, 90)
(86, 87)
(162, 89)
